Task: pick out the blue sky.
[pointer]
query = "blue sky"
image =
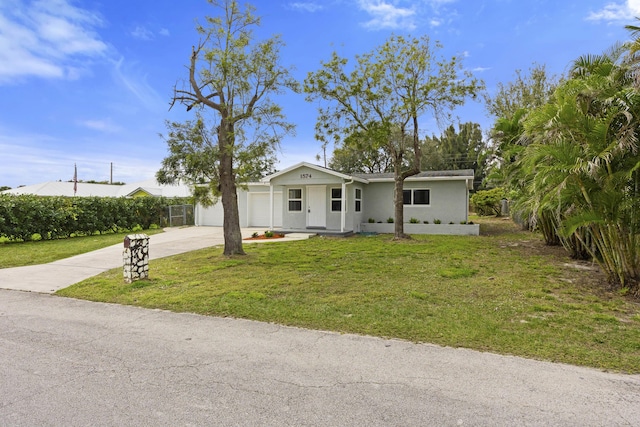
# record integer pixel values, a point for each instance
(89, 81)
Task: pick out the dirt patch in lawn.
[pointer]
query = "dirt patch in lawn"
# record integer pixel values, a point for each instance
(585, 274)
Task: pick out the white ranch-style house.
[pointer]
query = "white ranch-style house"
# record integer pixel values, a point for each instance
(307, 197)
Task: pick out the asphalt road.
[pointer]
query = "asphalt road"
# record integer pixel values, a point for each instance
(66, 362)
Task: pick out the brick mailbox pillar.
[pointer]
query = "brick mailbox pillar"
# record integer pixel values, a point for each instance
(136, 257)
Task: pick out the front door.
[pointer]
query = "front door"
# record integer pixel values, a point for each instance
(317, 206)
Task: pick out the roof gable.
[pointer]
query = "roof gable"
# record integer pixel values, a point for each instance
(307, 166)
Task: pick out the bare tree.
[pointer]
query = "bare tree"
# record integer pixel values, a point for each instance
(233, 76)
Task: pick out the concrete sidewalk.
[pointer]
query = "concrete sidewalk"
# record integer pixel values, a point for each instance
(48, 278)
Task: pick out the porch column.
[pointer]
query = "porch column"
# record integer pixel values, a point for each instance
(270, 206)
(468, 183)
(343, 207)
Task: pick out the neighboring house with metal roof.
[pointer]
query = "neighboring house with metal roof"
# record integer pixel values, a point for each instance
(145, 188)
(307, 197)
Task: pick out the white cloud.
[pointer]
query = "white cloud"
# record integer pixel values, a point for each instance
(306, 6)
(164, 32)
(102, 125)
(617, 11)
(137, 85)
(46, 39)
(142, 33)
(385, 15)
(407, 14)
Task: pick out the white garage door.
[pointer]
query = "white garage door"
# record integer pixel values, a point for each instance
(212, 216)
(259, 209)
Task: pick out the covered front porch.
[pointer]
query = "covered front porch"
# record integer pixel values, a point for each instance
(316, 200)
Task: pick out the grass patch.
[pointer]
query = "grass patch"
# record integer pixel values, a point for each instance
(18, 254)
(503, 292)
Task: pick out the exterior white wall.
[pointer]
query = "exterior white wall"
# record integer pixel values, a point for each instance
(354, 219)
(334, 219)
(258, 205)
(294, 219)
(209, 216)
(214, 215)
(378, 201)
(301, 178)
(448, 201)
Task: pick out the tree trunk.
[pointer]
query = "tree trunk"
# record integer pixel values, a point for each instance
(231, 225)
(399, 208)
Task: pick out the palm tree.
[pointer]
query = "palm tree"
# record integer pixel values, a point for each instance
(633, 52)
(583, 165)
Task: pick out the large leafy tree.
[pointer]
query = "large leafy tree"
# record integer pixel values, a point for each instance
(528, 90)
(231, 78)
(510, 104)
(383, 96)
(194, 157)
(464, 148)
(358, 154)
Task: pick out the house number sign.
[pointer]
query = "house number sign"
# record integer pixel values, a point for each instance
(305, 176)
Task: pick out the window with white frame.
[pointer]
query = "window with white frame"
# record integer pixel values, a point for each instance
(358, 200)
(336, 199)
(416, 196)
(295, 200)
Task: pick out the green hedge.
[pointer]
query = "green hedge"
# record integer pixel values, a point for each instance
(23, 216)
(488, 202)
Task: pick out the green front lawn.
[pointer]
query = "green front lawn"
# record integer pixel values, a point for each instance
(18, 254)
(504, 292)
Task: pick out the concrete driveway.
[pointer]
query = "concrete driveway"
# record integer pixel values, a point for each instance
(48, 278)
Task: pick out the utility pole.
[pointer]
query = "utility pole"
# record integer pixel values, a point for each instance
(111, 175)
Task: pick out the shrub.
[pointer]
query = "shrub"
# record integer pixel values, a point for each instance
(488, 202)
(414, 221)
(437, 221)
(425, 222)
(255, 234)
(390, 220)
(268, 234)
(371, 220)
(52, 217)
